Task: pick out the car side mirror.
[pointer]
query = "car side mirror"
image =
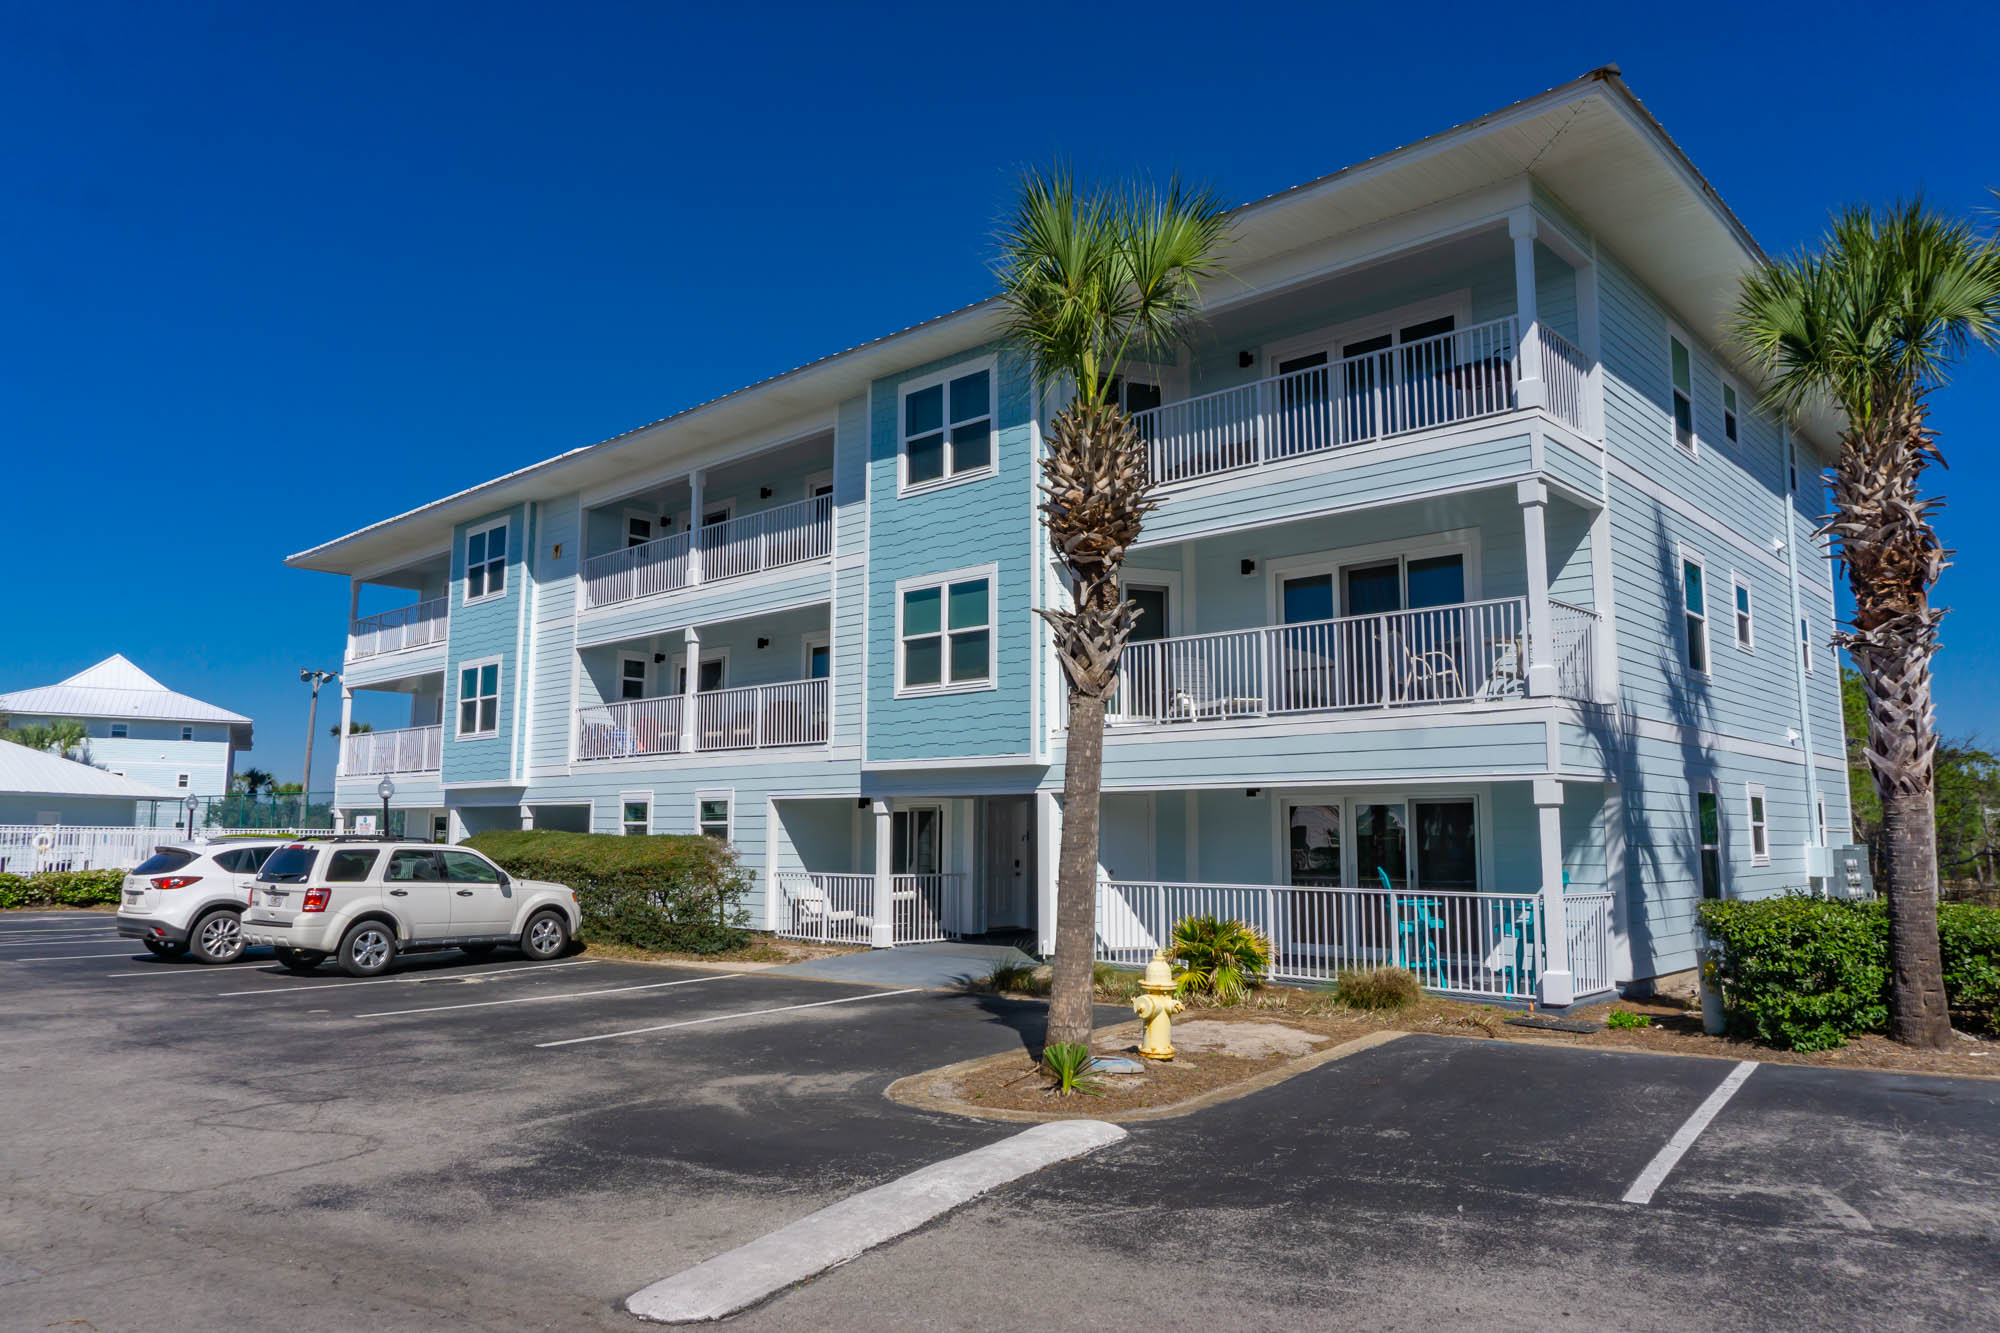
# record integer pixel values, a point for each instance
(506, 880)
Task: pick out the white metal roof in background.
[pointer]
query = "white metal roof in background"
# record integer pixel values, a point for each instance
(37, 774)
(115, 688)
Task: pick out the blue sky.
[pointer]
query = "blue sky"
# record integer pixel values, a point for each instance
(274, 272)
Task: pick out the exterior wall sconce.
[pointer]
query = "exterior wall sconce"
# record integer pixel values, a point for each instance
(763, 492)
(1246, 359)
(763, 644)
(1252, 793)
(1248, 568)
(556, 554)
(659, 659)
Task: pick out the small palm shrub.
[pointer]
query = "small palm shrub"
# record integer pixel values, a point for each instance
(1018, 978)
(1626, 1019)
(1220, 959)
(1068, 1063)
(1378, 988)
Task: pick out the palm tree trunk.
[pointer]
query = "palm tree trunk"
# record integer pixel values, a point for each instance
(1070, 997)
(1918, 1014)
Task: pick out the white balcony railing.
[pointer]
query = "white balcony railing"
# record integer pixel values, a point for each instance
(769, 539)
(1417, 385)
(409, 750)
(752, 717)
(1441, 654)
(1565, 374)
(26, 849)
(410, 626)
(1574, 629)
(1461, 943)
(842, 909)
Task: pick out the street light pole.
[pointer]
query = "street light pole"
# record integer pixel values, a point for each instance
(385, 789)
(315, 678)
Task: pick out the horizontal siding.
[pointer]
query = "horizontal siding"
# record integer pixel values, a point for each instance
(484, 630)
(708, 603)
(554, 634)
(1297, 752)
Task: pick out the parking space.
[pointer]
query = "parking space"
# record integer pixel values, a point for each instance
(520, 1144)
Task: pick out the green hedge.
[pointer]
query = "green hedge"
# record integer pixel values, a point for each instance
(674, 894)
(62, 888)
(1806, 973)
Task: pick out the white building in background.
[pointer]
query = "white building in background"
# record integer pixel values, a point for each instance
(169, 742)
(44, 790)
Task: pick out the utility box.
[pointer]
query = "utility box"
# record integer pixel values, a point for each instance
(1840, 872)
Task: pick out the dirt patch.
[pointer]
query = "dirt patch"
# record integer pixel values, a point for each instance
(762, 951)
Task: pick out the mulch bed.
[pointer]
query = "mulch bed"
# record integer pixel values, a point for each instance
(764, 949)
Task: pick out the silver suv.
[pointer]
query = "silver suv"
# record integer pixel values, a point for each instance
(363, 900)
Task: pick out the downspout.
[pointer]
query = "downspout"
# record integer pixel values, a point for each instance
(1816, 836)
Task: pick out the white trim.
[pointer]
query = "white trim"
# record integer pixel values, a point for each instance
(653, 520)
(1169, 581)
(725, 507)
(678, 663)
(942, 379)
(942, 582)
(1730, 386)
(970, 761)
(1742, 613)
(1333, 337)
(1753, 792)
(1412, 793)
(1707, 787)
(941, 806)
(1464, 542)
(783, 435)
(728, 795)
(814, 480)
(807, 642)
(456, 683)
(1687, 555)
(625, 797)
(645, 661)
(1692, 449)
(1806, 649)
(489, 593)
(181, 781)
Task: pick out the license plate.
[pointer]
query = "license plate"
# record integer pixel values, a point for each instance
(273, 899)
(132, 897)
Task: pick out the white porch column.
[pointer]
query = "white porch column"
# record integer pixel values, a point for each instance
(1530, 390)
(690, 687)
(695, 480)
(346, 725)
(1048, 846)
(884, 934)
(1534, 498)
(1558, 983)
(353, 610)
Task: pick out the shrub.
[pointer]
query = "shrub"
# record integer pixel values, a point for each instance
(1969, 937)
(1626, 1019)
(1378, 988)
(62, 888)
(1801, 974)
(1068, 1063)
(671, 894)
(1020, 978)
(1223, 959)
(1116, 984)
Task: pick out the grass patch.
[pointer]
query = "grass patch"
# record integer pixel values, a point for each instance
(1378, 988)
(1625, 1020)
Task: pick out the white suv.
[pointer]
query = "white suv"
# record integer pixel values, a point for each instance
(363, 900)
(188, 897)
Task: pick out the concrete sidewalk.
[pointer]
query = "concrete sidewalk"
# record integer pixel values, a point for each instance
(935, 966)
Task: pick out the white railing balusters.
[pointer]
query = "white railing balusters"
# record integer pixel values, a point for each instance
(840, 909)
(1574, 631)
(412, 626)
(404, 750)
(1565, 373)
(629, 728)
(768, 539)
(747, 718)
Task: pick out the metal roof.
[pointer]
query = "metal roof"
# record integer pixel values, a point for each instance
(115, 688)
(34, 773)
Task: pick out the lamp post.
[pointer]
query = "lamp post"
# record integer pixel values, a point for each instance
(315, 678)
(192, 802)
(385, 789)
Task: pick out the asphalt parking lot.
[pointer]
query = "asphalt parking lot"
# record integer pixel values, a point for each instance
(512, 1145)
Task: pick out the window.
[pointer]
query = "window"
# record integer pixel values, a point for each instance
(948, 428)
(479, 699)
(288, 865)
(1805, 644)
(819, 657)
(1760, 828)
(1695, 605)
(1708, 825)
(468, 868)
(1819, 818)
(945, 634)
(818, 484)
(119, 731)
(632, 676)
(916, 841)
(638, 529)
(350, 866)
(181, 781)
(711, 815)
(187, 733)
(1729, 427)
(714, 671)
(486, 562)
(440, 828)
(164, 861)
(412, 865)
(1683, 390)
(635, 816)
(1743, 639)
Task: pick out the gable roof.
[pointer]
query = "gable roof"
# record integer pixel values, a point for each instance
(34, 773)
(115, 688)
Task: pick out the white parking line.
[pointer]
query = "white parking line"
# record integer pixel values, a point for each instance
(305, 987)
(61, 957)
(543, 999)
(723, 1018)
(98, 937)
(1665, 1159)
(186, 970)
(76, 929)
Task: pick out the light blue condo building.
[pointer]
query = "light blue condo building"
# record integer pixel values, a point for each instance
(1484, 626)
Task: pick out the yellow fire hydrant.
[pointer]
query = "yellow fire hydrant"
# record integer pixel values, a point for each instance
(1156, 1008)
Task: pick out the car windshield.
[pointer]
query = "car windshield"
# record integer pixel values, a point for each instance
(289, 864)
(163, 860)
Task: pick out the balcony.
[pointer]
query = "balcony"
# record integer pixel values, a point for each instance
(413, 626)
(752, 717)
(843, 909)
(1469, 653)
(410, 750)
(790, 534)
(1418, 385)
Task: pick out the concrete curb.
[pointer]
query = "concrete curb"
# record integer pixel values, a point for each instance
(843, 1231)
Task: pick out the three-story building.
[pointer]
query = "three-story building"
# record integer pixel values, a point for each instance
(1484, 626)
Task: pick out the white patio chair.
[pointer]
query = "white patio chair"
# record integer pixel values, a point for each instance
(812, 911)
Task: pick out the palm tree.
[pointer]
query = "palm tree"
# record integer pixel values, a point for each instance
(353, 728)
(253, 781)
(1871, 325)
(1087, 280)
(65, 734)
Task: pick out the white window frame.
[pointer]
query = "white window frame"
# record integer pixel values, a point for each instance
(1693, 446)
(1689, 556)
(1819, 819)
(1167, 580)
(1709, 788)
(181, 781)
(726, 507)
(488, 591)
(989, 364)
(1743, 615)
(626, 798)
(908, 809)
(1350, 799)
(458, 700)
(1729, 387)
(815, 480)
(187, 733)
(724, 794)
(1334, 337)
(1461, 542)
(808, 642)
(645, 661)
(719, 653)
(1760, 829)
(646, 516)
(121, 731)
(943, 582)
(1805, 642)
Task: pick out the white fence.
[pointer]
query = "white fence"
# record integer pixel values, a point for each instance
(408, 750)
(793, 712)
(28, 848)
(1442, 654)
(1565, 374)
(1479, 944)
(841, 909)
(629, 728)
(786, 535)
(1575, 634)
(1417, 385)
(410, 626)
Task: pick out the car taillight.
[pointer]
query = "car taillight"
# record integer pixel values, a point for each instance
(175, 881)
(316, 900)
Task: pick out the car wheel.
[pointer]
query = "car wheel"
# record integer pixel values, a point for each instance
(164, 948)
(478, 950)
(300, 960)
(367, 949)
(546, 936)
(217, 938)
